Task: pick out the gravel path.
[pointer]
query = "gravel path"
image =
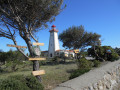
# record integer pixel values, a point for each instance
(89, 78)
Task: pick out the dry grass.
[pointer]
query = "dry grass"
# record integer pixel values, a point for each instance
(55, 74)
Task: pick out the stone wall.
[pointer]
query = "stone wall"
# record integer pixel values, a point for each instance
(106, 77)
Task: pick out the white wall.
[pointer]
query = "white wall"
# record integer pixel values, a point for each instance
(53, 43)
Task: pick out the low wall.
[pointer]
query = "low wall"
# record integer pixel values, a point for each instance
(106, 77)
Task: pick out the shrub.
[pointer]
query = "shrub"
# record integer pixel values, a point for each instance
(33, 83)
(12, 84)
(78, 72)
(96, 63)
(114, 56)
(83, 63)
(19, 82)
(103, 53)
(42, 62)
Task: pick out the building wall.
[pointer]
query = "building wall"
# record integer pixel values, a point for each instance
(53, 43)
(56, 41)
(51, 49)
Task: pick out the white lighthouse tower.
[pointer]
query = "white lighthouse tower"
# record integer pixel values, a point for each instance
(53, 42)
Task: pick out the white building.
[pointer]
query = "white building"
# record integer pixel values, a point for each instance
(53, 42)
(54, 47)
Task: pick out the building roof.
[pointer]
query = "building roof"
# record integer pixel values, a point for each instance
(53, 30)
(53, 26)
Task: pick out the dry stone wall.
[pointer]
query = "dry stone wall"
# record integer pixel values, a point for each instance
(106, 77)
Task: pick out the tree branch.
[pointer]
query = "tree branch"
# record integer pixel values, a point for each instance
(33, 37)
(19, 48)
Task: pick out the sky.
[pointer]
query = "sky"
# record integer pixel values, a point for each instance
(99, 16)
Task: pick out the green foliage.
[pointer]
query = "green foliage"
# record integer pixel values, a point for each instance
(33, 83)
(13, 65)
(12, 84)
(115, 56)
(11, 56)
(20, 82)
(43, 62)
(105, 52)
(96, 63)
(3, 57)
(117, 50)
(84, 64)
(78, 73)
(55, 59)
(63, 57)
(77, 37)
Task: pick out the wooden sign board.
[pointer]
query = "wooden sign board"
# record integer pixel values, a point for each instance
(32, 59)
(40, 72)
(16, 46)
(77, 50)
(39, 44)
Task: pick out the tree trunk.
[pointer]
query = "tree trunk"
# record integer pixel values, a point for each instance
(36, 62)
(97, 54)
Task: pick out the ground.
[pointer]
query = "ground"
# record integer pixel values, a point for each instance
(55, 74)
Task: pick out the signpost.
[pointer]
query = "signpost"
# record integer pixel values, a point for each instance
(16, 46)
(40, 72)
(39, 44)
(37, 52)
(32, 59)
(76, 51)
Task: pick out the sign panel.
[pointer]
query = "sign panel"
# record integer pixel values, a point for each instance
(31, 59)
(16, 46)
(40, 72)
(37, 50)
(77, 50)
(39, 44)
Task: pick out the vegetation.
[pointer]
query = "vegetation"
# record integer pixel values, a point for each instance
(84, 64)
(54, 74)
(19, 82)
(96, 63)
(105, 52)
(117, 50)
(78, 72)
(11, 59)
(76, 37)
(83, 67)
(24, 18)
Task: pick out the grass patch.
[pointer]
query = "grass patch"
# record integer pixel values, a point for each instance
(55, 74)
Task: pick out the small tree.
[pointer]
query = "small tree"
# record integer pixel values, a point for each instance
(105, 52)
(26, 17)
(77, 38)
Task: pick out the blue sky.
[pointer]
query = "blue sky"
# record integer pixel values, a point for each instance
(100, 16)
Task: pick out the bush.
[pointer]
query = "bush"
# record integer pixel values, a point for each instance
(42, 62)
(33, 83)
(12, 84)
(96, 63)
(114, 56)
(78, 73)
(83, 63)
(103, 53)
(20, 82)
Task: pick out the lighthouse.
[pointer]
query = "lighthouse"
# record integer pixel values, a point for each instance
(53, 42)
